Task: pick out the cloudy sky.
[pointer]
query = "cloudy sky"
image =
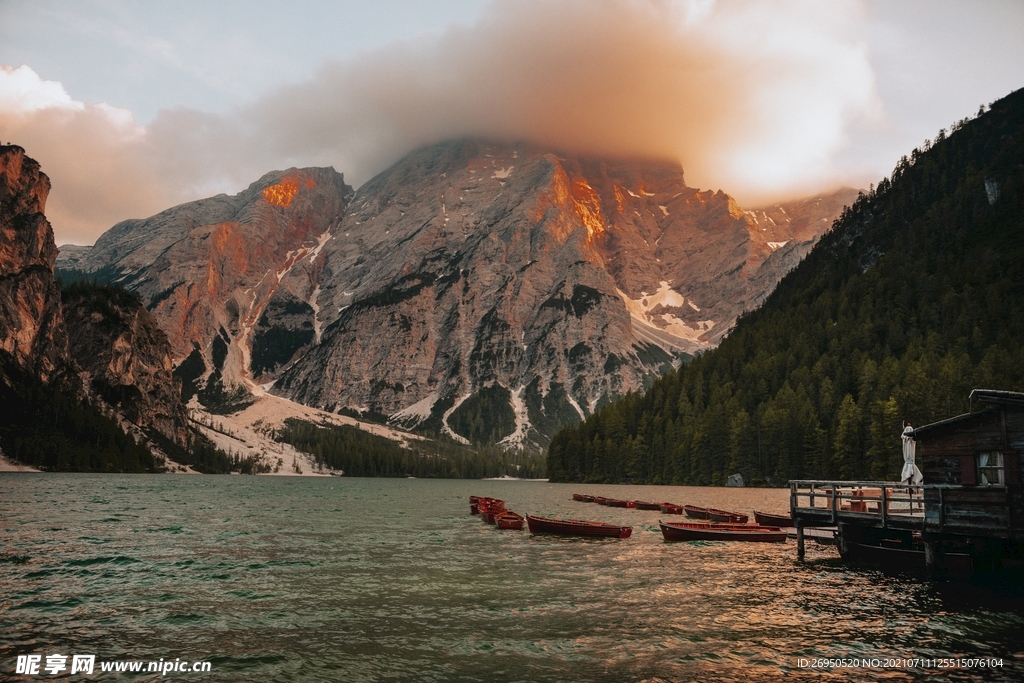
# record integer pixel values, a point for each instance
(132, 107)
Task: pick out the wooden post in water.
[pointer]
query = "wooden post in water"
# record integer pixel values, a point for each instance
(799, 540)
(929, 555)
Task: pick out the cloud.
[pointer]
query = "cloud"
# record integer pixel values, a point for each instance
(752, 97)
(755, 98)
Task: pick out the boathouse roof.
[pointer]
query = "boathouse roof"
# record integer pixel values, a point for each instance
(992, 397)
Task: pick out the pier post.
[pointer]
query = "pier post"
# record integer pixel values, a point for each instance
(799, 540)
(930, 556)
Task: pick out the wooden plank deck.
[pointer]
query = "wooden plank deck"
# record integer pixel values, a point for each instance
(874, 504)
(934, 508)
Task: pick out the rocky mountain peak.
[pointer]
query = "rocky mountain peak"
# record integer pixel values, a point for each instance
(486, 290)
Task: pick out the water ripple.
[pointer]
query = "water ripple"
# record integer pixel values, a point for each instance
(392, 580)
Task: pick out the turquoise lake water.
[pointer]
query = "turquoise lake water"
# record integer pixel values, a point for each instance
(338, 579)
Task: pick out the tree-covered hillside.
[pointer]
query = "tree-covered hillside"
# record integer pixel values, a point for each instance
(915, 297)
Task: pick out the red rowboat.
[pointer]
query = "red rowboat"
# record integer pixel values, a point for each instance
(714, 515)
(615, 502)
(474, 505)
(695, 512)
(689, 531)
(671, 509)
(728, 517)
(575, 527)
(490, 508)
(641, 505)
(583, 498)
(509, 520)
(768, 519)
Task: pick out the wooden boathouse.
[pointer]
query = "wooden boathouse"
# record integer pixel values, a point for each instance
(967, 515)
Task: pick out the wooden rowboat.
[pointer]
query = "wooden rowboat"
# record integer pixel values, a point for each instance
(576, 527)
(671, 509)
(616, 503)
(689, 531)
(694, 512)
(490, 508)
(727, 517)
(509, 520)
(583, 497)
(643, 505)
(768, 519)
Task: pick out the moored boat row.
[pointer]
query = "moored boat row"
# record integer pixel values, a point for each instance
(691, 511)
(730, 529)
(494, 512)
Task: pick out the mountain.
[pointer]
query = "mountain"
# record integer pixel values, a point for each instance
(207, 269)
(492, 292)
(52, 412)
(909, 302)
(124, 356)
(31, 326)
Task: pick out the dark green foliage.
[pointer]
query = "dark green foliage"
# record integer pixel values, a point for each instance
(361, 454)
(103, 276)
(67, 276)
(913, 299)
(549, 413)
(202, 455)
(106, 299)
(486, 416)
(433, 426)
(46, 426)
(274, 347)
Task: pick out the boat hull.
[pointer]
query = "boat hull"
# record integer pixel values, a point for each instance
(727, 517)
(509, 520)
(711, 514)
(614, 502)
(768, 519)
(642, 505)
(671, 509)
(682, 531)
(575, 527)
(583, 498)
(694, 512)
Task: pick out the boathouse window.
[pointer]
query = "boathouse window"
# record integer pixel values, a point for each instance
(990, 468)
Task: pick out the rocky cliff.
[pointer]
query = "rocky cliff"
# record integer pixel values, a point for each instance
(98, 334)
(125, 357)
(207, 269)
(31, 327)
(487, 291)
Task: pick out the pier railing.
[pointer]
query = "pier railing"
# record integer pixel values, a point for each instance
(834, 499)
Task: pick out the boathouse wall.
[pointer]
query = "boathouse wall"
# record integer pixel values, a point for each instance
(948, 454)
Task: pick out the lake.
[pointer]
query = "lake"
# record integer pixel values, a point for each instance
(342, 579)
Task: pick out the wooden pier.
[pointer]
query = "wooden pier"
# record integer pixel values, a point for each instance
(968, 514)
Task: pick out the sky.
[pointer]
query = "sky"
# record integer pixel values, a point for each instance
(133, 107)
